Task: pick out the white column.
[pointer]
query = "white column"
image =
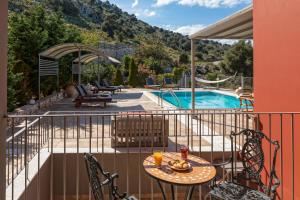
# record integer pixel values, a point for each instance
(3, 92)
(193, 72)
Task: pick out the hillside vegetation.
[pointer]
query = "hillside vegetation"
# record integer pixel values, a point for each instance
(115, 25)
(35, 25)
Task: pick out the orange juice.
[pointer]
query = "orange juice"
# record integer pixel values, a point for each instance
(157, 158)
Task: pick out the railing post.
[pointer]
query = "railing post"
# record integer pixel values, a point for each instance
(193, 84)
(3, 93)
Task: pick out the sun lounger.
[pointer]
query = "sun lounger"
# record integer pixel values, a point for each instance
(83, 97)
(150, 84)
(105, 84)
(102, 88)
(168, 83)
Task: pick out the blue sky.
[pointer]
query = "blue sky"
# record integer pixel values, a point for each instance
(184, 16)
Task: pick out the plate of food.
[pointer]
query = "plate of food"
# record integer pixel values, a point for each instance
(179, 165)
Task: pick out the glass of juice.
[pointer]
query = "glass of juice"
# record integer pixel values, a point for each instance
(157, 158)
(184, 152)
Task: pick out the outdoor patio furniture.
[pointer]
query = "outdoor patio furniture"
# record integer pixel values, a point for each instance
(106, 84)
(168, 83)
(83, 97)
(133, 131)
(151, 85)
(102, 88)
(252, 158)
(200, 172)
(96, 174)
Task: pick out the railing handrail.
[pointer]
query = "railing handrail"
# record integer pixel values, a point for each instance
(176, 98)
(28, 125)
(158, 112)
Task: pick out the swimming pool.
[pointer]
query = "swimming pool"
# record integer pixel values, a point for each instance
(203, 99)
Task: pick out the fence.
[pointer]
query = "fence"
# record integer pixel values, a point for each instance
(205, 132)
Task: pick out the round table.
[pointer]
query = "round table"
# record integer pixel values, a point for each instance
(201, 172)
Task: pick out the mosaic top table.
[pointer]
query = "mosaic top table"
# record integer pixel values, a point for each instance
(200, 172)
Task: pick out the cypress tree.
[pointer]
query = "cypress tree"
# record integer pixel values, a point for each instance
(133, 71)
(118, 78)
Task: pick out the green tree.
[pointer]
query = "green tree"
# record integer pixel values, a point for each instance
(133, 72)
(12, 82)
(31, 32)
(126, 63)
(154, 65)
(118, 78)
(177, 72)
(239, 58)
(184, 58)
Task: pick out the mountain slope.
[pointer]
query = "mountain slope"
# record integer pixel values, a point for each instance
(120, 26)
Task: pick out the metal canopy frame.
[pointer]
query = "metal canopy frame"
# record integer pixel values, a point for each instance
(235, 27)
(87, 58)
(48, 59)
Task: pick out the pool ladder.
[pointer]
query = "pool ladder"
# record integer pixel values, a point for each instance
(161, 100)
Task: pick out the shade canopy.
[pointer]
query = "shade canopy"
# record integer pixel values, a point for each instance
(58, 51)
(87, 58)
(237, 26)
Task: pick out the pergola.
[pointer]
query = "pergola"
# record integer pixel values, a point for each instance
(235, 27)
(88, 58)
(48, 59)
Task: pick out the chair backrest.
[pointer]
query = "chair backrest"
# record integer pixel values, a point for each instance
(83, 89)
(80, 91)
(105, 83)
(149, 81)
(133, 132)
(253, 159)
(94, 171)
(168, 81)
(97, 84)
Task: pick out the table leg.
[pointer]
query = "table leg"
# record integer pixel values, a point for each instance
(173, 192)
(190, 193)
(162, 190)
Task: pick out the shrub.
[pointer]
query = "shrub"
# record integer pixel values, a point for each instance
(160, 78)
(118, 78)
(212, 76)
(177, 73)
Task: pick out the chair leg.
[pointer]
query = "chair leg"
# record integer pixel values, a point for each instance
(77, 104)
(207, 197)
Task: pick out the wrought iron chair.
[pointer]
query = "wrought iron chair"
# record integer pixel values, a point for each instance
(252, 158)
(95, 171)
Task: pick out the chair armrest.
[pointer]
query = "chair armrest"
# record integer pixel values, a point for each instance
(116, 188)
(275, 185)
(114, 176)
(222, 163)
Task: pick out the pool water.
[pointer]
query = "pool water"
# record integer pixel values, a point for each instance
(203, 100)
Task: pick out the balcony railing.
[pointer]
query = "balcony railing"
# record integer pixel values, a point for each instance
(44, 152)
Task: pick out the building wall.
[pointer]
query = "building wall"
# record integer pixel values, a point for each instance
(277, 81)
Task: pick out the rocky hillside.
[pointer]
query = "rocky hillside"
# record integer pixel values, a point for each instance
(119, 26)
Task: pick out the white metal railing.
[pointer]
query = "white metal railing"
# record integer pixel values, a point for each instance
(204, 132)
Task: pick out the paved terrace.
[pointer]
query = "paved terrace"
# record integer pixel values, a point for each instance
(183, 130)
